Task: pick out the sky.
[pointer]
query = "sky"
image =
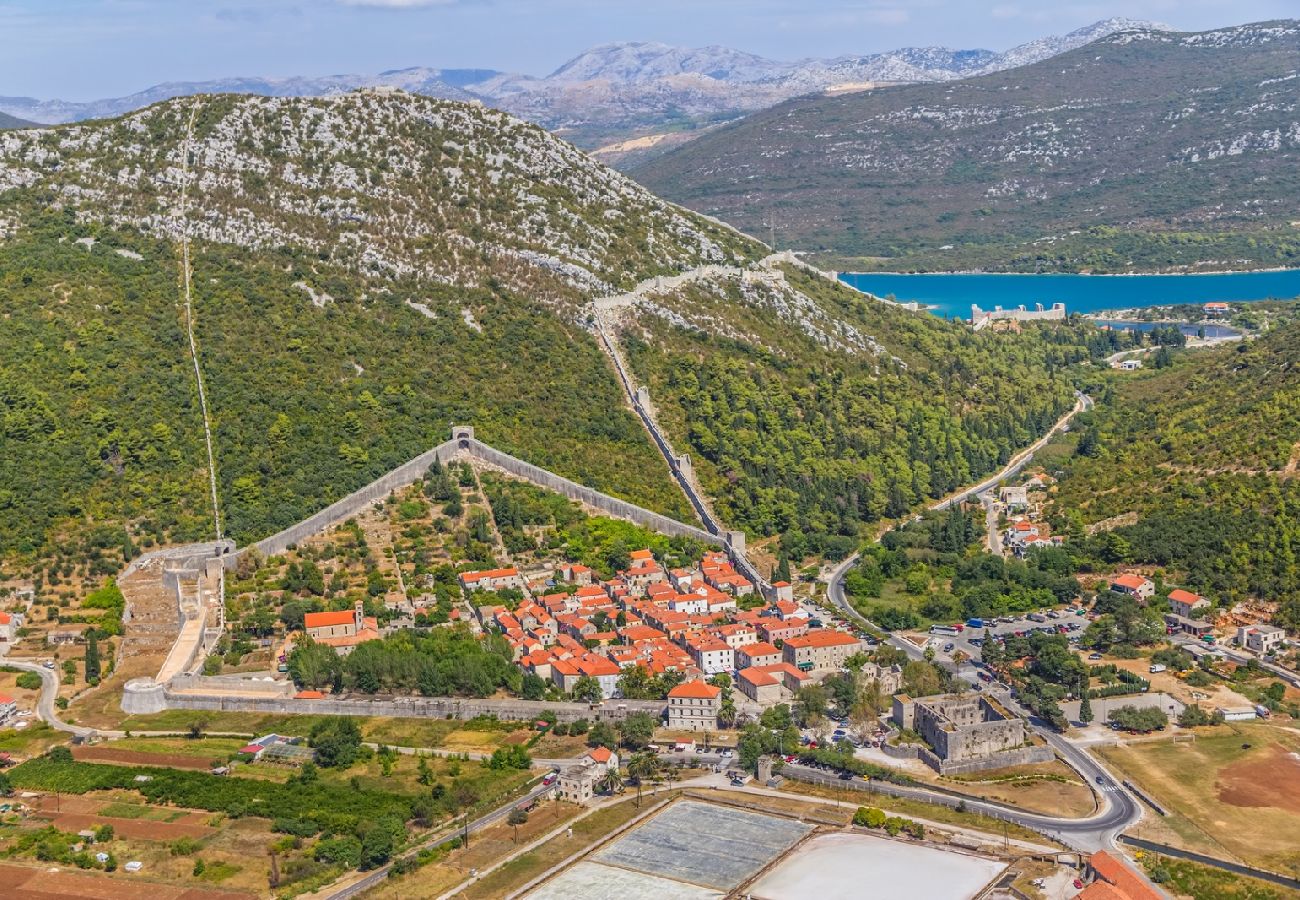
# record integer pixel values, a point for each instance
(88, 49)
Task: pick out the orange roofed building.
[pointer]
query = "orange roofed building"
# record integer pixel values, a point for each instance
(694, 706)
(343, 629)
(1113, 880)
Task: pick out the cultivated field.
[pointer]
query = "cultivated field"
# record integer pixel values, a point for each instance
(1234, 791)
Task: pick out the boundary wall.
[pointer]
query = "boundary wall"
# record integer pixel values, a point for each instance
(463, 443)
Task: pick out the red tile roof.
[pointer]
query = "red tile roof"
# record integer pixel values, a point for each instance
(1132, 582)
(1122, 881)
(599, 754)
(823, 637)
(309, 695)
(757, 677)
(1183, 596)
(697, 690)
(326, 619)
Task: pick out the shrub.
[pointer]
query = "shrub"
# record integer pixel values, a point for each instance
(344, 851)
(186, 846)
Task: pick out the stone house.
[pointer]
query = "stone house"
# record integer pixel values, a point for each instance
(1184, 603)
(694, 706)
(823, 648)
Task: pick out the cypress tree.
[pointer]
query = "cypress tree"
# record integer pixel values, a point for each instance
(92, 658)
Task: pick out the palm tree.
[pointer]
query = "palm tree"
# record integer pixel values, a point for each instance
(641, 767)
(727, 713)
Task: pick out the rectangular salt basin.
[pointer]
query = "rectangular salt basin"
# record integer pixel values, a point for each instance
(852, 866)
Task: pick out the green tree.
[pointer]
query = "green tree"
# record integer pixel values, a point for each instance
(602, 735)
(518, 816)
(337, 742)
(1085, 710)
(587, 689)
(637, 730)
(380, 840)
(92, 657)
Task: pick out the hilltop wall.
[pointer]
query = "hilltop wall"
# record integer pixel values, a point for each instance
(463, 443)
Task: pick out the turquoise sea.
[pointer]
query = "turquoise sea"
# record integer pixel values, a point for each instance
(952, 295)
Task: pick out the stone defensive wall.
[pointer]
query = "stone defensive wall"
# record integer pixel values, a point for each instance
(143, 696)
(463, 443)
(1024, 756)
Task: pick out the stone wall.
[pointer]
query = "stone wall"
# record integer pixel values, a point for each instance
(402, 707)
(967, 727)
(1104, 706)
(464, 443)
(1022, 756)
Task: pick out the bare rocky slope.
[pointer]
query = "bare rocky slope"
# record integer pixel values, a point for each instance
(1144, 149)
(616, 91)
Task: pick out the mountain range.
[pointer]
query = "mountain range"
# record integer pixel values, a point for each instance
(1144, 149)
(371, 268)
(616, 92)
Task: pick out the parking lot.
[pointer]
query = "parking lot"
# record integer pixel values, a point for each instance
(969, 641)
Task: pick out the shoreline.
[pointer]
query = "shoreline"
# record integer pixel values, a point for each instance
(1273, 270)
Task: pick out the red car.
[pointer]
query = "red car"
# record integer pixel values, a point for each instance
(1078, 884)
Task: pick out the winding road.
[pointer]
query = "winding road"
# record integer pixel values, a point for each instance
(1119, 808)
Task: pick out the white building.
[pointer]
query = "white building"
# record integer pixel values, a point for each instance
(694, 706)
(1260, 638)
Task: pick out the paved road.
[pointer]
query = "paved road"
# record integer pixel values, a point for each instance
(1119, 810)
(993, 541)
(835, 580)
(45, 709)
(1240, 656)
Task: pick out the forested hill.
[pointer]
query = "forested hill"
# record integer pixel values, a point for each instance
(1144, 149)
(1206, 454)
(368, 270)
(811, 411)
(8, 121)
(372, 268)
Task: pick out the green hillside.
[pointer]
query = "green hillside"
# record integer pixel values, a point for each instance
(837, 411)
(1142, 150)
(1205, 453)
(371, 268)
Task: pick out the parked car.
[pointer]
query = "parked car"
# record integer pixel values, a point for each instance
(1094, 656)
(550, 779)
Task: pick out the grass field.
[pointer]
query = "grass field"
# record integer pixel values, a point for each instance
(931, 812)
(1052, 788)
(1189, 879)
(1235, 791)
(497, 842)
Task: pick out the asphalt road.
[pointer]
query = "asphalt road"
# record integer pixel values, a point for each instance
(1118, 808)
(45, 709)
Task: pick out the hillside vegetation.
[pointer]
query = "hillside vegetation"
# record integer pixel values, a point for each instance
(368, 270)
(811, 411)
(372, 268)
(1206, 454)
(1145, 149)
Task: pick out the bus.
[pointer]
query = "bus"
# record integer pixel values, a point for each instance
(944, 629)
